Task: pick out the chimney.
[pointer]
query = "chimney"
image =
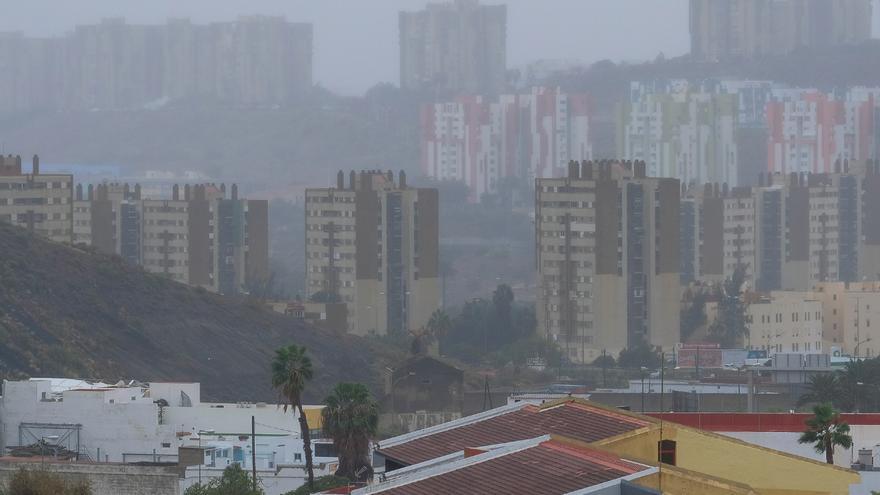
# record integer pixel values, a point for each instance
(36, 165)
(235, 191)
(573, 172)
(340, 180)
(402, 184)
(587, 169)
(79, 192)
(175, 192)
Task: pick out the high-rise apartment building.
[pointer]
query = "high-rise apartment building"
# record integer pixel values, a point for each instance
(458, 47)
(110, 65)
(681, 132)
(790, 232)
(200, 236)
(481, 140)
(41, 203)
(607, 244)
(747, 28)
(373, 245)
(810, 131)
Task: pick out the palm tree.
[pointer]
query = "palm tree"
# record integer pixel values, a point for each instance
(291, 369)
(823, 388)
(351, 419)
(825, 431)
(438, 326)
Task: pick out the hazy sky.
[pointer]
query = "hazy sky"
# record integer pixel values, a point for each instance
(356, 42)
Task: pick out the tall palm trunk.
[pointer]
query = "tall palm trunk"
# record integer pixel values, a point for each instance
(307, 442)
(829, 451)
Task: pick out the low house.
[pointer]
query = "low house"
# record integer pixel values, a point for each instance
(689, 460)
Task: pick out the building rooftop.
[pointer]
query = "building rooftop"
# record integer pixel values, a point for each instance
(543, 465)
(578, 420)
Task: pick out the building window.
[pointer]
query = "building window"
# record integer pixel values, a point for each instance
(666, 452)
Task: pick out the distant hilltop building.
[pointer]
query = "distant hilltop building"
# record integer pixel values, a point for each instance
(41, 203)
(724, 29)
(110, 65)
(372, 243)
(607, 253)
(730, 131)
(481, 140)
(204, 235)
(459, 46)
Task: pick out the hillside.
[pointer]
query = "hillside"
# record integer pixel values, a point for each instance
(69, 312)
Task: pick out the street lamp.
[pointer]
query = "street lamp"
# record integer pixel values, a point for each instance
(42, 444)
(201, 452)
(642, 373)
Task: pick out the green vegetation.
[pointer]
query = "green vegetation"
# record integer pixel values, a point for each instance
(234, 481)
(67, 311)
(291, 369)
(641, 355)
(731, 324)
(854, 389)
(499, 332)
(351, 419)
(825, 431)
(321, 484)
(26, 482)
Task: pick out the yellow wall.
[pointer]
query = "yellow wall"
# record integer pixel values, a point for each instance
(678, 483)
(763, 469)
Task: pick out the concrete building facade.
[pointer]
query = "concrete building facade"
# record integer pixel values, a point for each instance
(201, 236)
(460, 46)
(787, 322)
(483, 140)
(788, 232)
(750, 28)
(849, 309)
(374, 245)
(41, 203)
(811, 131)
(254, 60)
(681, 132)
(607, 255)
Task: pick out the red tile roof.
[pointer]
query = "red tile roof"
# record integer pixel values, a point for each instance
(548, 468)
(575, 420)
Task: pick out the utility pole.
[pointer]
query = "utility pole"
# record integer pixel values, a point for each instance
(254, 452)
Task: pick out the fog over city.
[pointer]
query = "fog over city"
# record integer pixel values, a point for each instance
(356, 43)
(285, 247)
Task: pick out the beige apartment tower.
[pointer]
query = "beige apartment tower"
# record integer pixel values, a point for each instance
(607, 255)
(372, 244)
(203, 235)
(41, 203)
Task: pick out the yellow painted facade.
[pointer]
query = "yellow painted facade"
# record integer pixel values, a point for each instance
(708, 463)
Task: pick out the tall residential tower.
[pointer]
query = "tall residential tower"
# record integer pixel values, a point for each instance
(372, 244)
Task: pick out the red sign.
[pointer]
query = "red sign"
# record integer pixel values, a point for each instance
(708, 358)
